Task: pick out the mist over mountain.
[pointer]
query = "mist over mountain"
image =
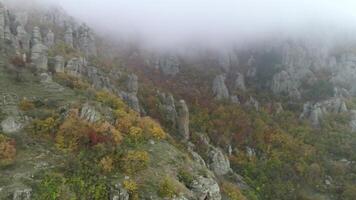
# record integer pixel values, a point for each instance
(177, 100)
(212, 23)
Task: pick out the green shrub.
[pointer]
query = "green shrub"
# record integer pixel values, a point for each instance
(185, 177)
(167, 188)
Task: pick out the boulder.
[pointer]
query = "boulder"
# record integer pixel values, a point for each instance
(206, 189)
(183, 120)
(219, 88)
(218, 161)
(11, 124)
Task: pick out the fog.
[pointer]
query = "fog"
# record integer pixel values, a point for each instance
(212, 22)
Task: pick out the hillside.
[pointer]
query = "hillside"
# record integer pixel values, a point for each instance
(85, 118)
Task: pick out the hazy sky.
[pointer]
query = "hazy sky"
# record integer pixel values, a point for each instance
(171, 21)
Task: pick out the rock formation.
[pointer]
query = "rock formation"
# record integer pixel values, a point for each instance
(219, 88)
(59, 64)
(75, 66)
(206, 189)
(168, 65)
(130, 96)
(316, 112)
(183, 120)
(240, 82)
(86, 41)
(218, 162)
(49, 41)
(88, 113)
(68, 36)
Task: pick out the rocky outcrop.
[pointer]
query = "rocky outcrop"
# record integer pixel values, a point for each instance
(183, 120)
(36, 37)
(86, 41)
(168, 65)
(23, 194)
(175, 114)
(75, 67)
(22, 38)
(39, 56)
(316, 112)
(219, 88)
(130, 96)
(132, 83)
(240, 82)
(252, 102)
(2, 21)
(49, 41)
(206, 189)
(11, 124)
(218, 162)
(119, 193)
(89, 113)
(168, 109)
(68, 36)
(252, 70)
(59, 64)
(283, 83)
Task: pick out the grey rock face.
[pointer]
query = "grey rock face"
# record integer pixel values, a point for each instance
(283, 83)
(234, 99)
(219, 88)
(88, 113)
(316, 112)
(24, 194)
(98, 79)
(218, 162)
(39, 56)
(132, 83)
(119, 193)
(168, 109)
(2, 22)
(36, 37)
(49, 41)
(75, 67)
(23, 38)
(86, 41)
(11, 125)
(240, 82)
(183, 119)
(59, 64)
(169, 65)
(68, 36)
(131, 100)
(206, 189)
(252, 102)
